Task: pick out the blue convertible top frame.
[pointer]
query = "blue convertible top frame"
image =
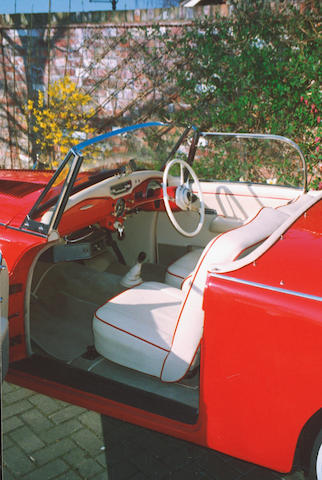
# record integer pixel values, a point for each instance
(80, 146)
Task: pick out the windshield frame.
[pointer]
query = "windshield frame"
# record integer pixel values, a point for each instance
(61, 200)
(91, 141)
(74, 156)
(265, 136)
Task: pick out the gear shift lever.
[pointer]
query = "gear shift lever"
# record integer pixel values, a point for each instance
(133, 276)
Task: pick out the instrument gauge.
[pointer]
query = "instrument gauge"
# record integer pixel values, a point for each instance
(152, 187)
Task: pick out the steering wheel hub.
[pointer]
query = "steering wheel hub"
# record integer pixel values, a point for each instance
(185, 199)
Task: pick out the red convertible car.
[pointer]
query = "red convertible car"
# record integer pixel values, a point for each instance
(140, 282)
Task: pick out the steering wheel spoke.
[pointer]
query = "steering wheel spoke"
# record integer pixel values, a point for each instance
(185, 199)
(181, 174)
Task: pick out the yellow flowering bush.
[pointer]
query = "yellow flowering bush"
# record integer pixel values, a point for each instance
(59, 119)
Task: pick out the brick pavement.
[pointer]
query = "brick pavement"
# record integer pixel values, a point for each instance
(49, 439)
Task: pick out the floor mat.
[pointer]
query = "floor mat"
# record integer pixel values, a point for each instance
(65, 330)
(65, 297)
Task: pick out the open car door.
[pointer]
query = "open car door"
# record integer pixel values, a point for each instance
(4, 330)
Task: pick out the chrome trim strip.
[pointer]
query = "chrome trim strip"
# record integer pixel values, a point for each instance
(267, 287)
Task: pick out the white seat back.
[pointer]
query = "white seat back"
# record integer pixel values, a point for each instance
(224, 248)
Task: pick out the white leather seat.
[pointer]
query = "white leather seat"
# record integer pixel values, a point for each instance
(157, 329)
(181, 268)
(256, 230)
(135, 329)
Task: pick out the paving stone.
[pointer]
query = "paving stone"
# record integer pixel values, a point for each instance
(140, 476)
(112, 423)
(149, 465)
(102, 476)
(88, 468)
(88, 441)
(262, 474)
(93, 421)
(118, 434)
(214, 464)
(49, 439)
(66, 413)
(174, 461)
(179, 457)
(103, 459)
(15, 408)
(239, 465)
(294, 476)
(7, 442)
(36, 420)
(75, 456)
(46, 404)
(51, 470)
(55, 450)
(70, 475)
(6, 475)
(197, 451)
(60, 431)
(121, 471)
(15, 395)
(26, 439)
(17, 461)
(159, 446)
(118, 452)
(10, 387)
(191, 474)
(10, 424)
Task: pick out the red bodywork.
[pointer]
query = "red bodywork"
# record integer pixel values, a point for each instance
(264, 357)
(261, 349)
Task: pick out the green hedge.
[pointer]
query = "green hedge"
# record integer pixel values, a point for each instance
(257, 70)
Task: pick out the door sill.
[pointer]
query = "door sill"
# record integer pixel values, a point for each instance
(59, 372)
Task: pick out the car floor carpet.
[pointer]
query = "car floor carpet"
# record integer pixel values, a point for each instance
(64, 299)
(65, 329)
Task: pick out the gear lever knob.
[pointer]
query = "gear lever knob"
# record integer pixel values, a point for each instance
(133, 276)
(141, 257)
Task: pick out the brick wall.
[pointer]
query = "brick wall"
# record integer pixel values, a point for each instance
(111, 55)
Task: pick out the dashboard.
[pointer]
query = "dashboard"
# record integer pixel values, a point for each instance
(108, 202)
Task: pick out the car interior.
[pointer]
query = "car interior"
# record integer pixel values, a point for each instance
(121, 309)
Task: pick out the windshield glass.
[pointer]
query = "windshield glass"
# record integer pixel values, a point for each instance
(148, 145)
(250, 158)
(139, 147)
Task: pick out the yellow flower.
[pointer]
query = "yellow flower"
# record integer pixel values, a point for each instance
(57, 111)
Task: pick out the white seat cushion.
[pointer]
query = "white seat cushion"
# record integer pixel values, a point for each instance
(157, 329)
(182, 267)
(136, 328)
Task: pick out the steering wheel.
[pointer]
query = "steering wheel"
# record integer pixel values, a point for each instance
(185, 199)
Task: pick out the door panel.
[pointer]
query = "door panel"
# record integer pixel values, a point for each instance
(233, 202)
(244, 200)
